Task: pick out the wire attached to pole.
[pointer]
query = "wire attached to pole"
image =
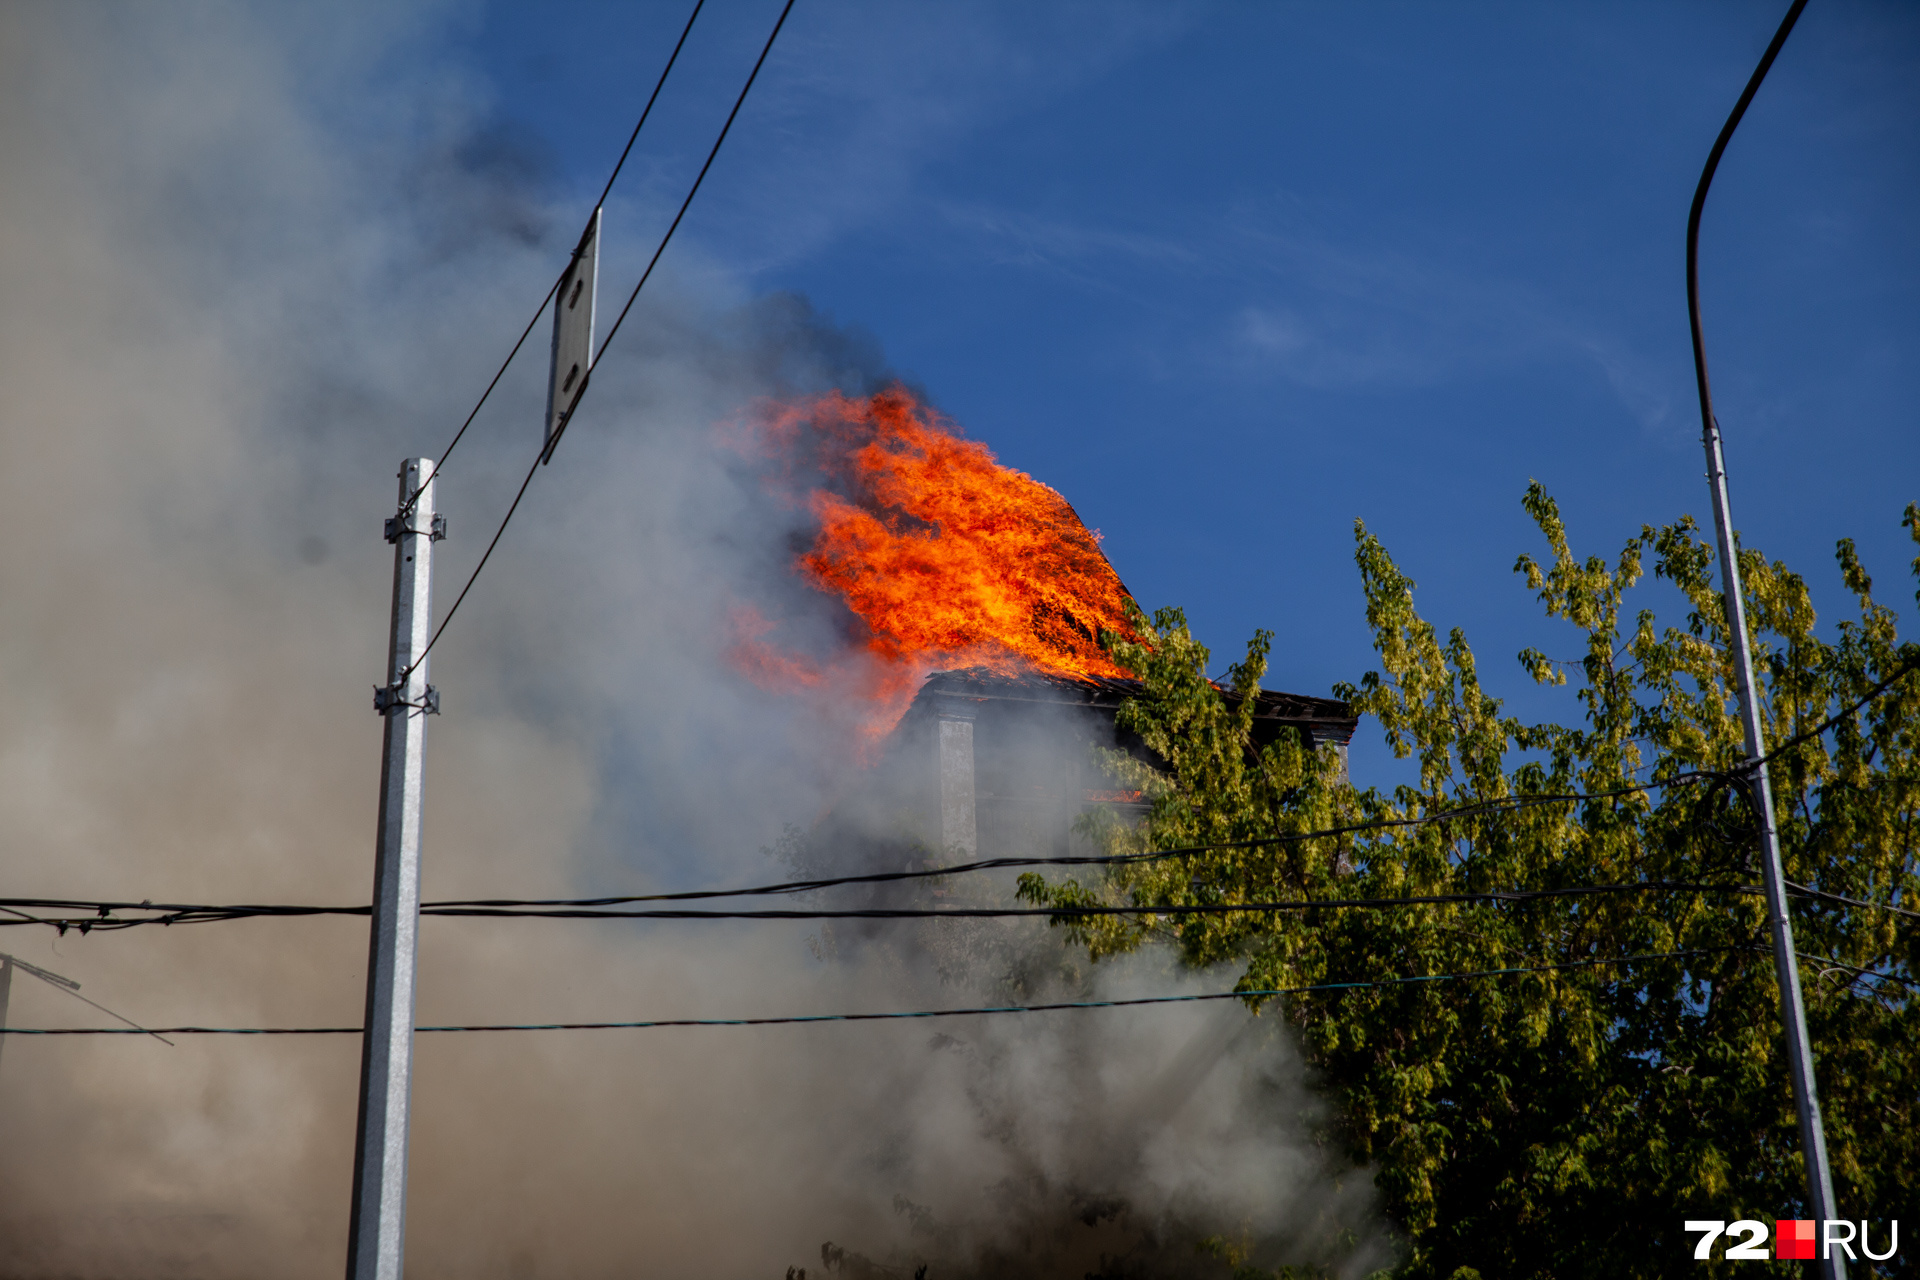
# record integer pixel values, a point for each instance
(653, 97)
(796, 1019)
(407, 507)
(195, 913)
(587, 378)
(168, 914)
(546, 449)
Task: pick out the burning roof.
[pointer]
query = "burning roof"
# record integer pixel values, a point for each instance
(952, 569)
(942, 556)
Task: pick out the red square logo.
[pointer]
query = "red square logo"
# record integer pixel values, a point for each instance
(1793, 1237)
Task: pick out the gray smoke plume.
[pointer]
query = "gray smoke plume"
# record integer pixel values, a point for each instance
(243, 272)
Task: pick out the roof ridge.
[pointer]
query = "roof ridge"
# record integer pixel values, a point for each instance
(1307, 706)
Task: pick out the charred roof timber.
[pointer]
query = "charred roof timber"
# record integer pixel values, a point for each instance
(1011, 765)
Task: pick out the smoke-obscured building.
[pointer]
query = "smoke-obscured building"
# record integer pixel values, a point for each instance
(990, 765)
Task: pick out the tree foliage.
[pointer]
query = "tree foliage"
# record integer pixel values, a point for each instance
(1562, 1121)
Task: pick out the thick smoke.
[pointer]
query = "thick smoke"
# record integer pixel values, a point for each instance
(245, 271)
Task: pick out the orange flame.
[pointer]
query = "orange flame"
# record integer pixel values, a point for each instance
(947, 557)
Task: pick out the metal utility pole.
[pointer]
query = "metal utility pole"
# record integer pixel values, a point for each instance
(1793, 1014)
(377, 1235)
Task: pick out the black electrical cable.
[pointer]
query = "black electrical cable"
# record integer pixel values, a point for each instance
(178, 912)
(475, 575)
(406, 508)
(1904, 668)
(171, 914)
(1256, 993)
(653, 97)
(546, 451)
(586, 908)
(194, 913)
(1503, 804)
(565, 419)
(1856, 970)
(185, 913)
(1087, 911)
(1807, 891)
(1081, 860)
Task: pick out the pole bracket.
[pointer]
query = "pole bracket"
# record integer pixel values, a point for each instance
(392, 697)
(436, 531)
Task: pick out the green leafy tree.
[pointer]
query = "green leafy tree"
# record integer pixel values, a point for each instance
(1559, 1121)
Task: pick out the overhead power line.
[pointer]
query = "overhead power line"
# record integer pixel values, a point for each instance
(795, 1019)
(1904, 667)
(1805, 891)
(475, 575)
(692, 191)
(653, 97)
(547, 447)
(561, 909)
(179, 912)
(100, 911)
(406, 507)
(1477, 809)
(1503, 804)
(1075, 860)
(1088, 910)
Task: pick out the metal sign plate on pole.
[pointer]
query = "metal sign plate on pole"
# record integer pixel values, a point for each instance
(377, 1234)
(572, 334)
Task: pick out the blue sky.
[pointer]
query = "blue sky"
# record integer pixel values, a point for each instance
(1230, 276)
